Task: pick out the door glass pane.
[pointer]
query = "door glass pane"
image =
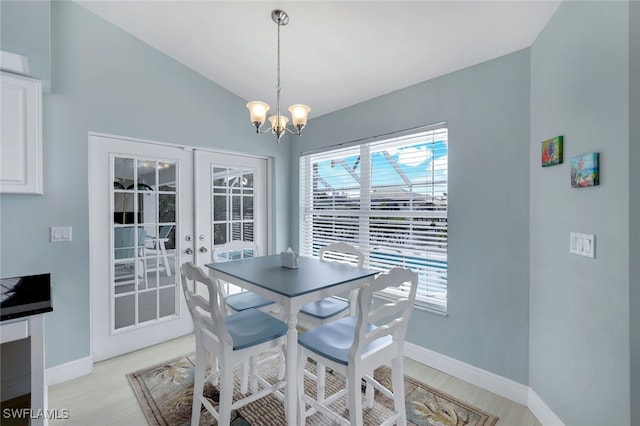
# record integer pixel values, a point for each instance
(247, 231)
(124, 277)
(235, 208)
(147, 207)
(247, 208)
(124, 242)
(220, 178)
(147, 306)
(144, 225)
(125, 311)
(247, 179)
(235, 231)
(167, 301)
(220, 207)
(166, 176)
(123, 173)
(167, 208)
(219, 233)
(146, 175)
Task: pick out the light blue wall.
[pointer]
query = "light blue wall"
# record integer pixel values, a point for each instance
(18, 19)
(487, 111)
(634, 206)
(104, 80)
(579, 307)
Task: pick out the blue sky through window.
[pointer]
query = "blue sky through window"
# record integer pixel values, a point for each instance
(420, 163)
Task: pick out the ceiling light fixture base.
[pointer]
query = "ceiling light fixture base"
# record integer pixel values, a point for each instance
(280, 17)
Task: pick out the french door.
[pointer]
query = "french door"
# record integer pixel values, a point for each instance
(145, 222)
(232, 201)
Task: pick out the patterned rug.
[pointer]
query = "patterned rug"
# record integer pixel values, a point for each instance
(165, 392)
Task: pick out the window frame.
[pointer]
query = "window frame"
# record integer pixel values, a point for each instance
(433, 274)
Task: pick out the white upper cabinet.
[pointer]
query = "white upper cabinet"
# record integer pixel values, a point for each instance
(20, 135)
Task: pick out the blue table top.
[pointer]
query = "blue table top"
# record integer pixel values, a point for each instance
(311, 275)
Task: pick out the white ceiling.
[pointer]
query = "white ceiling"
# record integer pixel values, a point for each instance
(333, 53)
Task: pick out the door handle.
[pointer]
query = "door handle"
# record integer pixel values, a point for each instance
(203, 249)
(189, 251)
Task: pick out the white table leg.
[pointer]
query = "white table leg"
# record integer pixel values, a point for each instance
(292, 381)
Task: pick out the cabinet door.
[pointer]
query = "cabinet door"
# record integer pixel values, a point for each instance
(20, 135)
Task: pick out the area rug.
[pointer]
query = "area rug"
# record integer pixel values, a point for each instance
(165, 393)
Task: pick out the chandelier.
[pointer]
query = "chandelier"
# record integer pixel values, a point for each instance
(258, 110)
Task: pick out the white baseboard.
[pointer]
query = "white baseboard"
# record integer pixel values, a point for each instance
(502, 386)
(70, 370)
(541, 410)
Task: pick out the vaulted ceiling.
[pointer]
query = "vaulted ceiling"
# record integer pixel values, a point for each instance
(333, 53)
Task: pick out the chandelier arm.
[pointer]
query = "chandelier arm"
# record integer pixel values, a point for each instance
(296, 132)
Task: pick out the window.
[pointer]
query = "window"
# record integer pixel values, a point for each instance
(388, 198)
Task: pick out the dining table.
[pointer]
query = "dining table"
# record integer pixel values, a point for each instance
(312, 280)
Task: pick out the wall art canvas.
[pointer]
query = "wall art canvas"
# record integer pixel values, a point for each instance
(585, 170)
(552, 151)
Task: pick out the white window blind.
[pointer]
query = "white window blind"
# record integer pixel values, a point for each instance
(388, 198)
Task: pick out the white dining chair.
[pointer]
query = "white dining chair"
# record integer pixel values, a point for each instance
(238, 302)
(235, 250)
(356, 346)
(231, 339)
(331, 308)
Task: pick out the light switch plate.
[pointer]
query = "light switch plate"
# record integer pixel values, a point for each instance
(582, 244)
(60, 234)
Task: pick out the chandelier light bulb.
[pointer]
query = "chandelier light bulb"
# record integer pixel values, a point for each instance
(299, 114)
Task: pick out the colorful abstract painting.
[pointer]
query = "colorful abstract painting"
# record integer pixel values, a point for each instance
(552, 151)
(585, 170)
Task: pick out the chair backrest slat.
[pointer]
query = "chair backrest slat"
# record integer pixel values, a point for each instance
(395, 314)
(342, 252)
(388, 309)
(207, 312)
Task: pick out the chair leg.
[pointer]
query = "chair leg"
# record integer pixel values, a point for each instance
(283, 365)
(397, 381)
(302, 407)
(226, 394)
(214, 367)
(354, 397)
(244, 378)
(198, 384)
(370, 393)
(253, 371)
(321, 372)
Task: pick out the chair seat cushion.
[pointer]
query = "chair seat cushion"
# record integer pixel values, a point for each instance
(334, 340)
(325, 308)
(246, 300)
(252, 327)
